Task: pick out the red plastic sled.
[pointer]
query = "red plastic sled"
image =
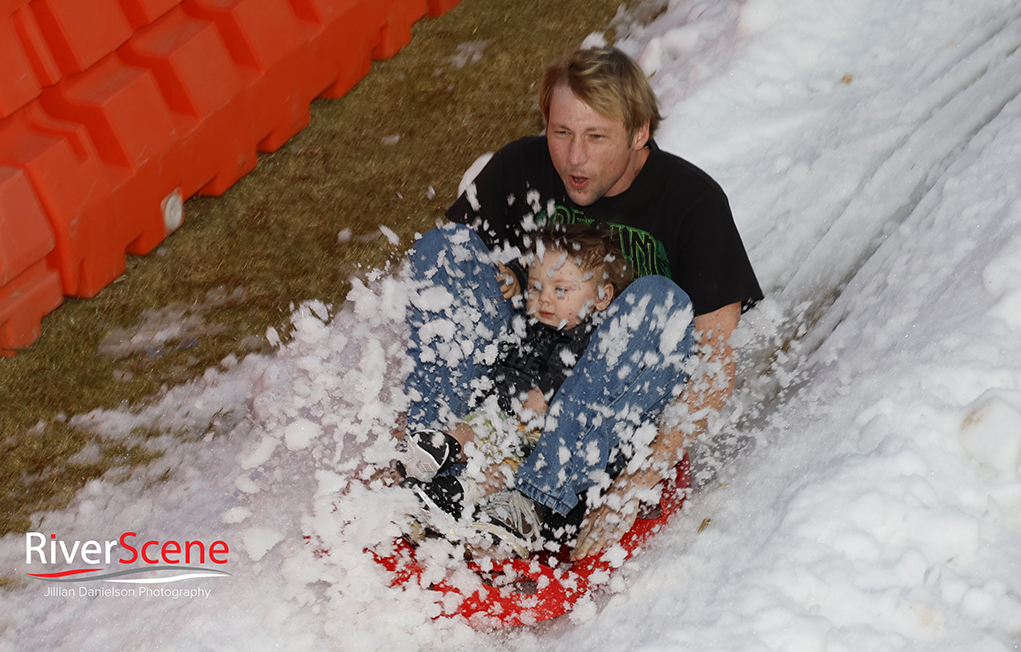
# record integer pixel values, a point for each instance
(527, 591)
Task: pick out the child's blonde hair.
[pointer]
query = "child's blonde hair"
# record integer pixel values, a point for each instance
(593, 248)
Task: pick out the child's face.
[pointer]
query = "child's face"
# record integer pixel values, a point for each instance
(561, 294)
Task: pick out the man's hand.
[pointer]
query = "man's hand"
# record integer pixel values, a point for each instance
(607, 523)
(509, 285)
(602, 528)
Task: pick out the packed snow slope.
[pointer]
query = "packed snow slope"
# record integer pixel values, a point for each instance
(863, 490)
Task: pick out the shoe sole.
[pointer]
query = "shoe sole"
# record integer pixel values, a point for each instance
(420, 465)
(502, 535)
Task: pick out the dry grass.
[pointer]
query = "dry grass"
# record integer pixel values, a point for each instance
(241, 260)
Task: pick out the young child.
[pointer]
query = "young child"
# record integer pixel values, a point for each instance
(574, 272)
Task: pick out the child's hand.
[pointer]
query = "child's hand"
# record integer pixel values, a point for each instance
(536, 402)
(509, 285)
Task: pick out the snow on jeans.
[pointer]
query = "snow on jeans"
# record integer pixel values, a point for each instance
(630, 371)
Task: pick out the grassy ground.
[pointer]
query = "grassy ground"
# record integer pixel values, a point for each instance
(389, 153)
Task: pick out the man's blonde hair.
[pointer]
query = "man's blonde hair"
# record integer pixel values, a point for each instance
(607, 80)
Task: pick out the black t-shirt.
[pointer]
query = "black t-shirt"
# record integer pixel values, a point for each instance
(673, 220)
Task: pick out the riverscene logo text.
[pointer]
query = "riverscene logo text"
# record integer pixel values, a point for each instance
(155, 556)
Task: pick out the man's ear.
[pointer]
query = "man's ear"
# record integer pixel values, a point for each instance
(641, 137)
(603, 302)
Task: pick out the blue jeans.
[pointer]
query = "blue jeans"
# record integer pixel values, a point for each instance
(633, 367)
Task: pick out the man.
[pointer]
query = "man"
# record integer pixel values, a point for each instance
(596, 163)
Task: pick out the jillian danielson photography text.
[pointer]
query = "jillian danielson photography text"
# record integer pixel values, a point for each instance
(133, 592)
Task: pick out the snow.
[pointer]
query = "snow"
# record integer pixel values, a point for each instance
(862, 491)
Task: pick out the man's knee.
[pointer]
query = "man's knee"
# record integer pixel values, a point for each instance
(659, 288)
(452, 242)
(432, 243)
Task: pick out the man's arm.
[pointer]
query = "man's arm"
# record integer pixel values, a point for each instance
(606, 524)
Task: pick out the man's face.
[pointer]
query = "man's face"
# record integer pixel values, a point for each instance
(591, 153)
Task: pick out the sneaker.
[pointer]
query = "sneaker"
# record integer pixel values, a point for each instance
(512, 520)
(444, 501)
(427, 453)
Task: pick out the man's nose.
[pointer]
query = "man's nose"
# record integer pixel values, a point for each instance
(576, 153)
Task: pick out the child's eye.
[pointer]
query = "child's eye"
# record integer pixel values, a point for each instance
(561, 293)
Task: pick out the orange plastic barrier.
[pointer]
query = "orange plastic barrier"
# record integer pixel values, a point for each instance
(123, 130)
(396, 32)
(143, 12)
(28, 288)
(112, 112)
(439, 7)
(8, 7)
(18, 84)
(78, 34)
(204, 89)
(43, 41)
